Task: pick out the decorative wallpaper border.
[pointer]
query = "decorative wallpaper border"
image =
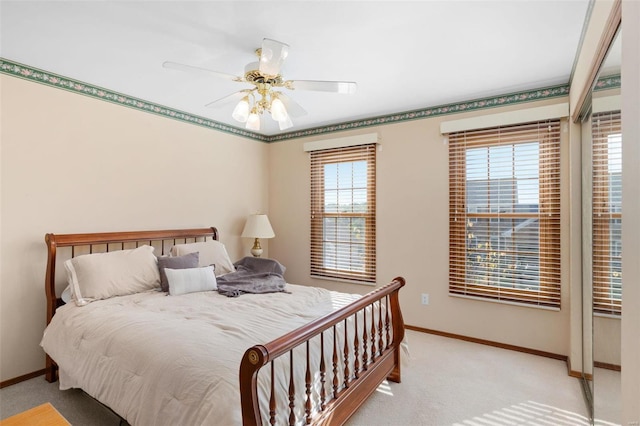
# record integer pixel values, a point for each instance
(514, 98)
(608, 82)
(54, 80)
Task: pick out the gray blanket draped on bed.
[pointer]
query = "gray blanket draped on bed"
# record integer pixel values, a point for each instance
(253, 275)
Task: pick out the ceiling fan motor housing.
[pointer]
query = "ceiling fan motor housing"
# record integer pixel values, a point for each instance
(253, 75)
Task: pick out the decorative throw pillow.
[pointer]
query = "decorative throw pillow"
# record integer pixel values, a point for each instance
(189, 260)
(117, 273)
(183, 281)
(211, 253)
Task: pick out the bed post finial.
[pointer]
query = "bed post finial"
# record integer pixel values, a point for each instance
(254, 358)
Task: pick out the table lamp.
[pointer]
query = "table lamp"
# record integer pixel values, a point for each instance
(257, 227)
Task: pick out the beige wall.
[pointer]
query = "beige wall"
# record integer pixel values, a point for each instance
(70, 163)
(412, 234)
(606, 340)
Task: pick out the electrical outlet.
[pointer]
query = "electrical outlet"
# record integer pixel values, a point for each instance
(425, 298)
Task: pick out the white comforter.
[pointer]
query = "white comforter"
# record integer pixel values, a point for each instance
(174, 360)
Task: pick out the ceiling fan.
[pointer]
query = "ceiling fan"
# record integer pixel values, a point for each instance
(265, 75)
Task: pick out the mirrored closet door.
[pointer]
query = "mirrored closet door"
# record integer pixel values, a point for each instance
(606, 216)
(602, 219)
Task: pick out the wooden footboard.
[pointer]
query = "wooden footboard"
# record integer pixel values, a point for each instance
(359, 347)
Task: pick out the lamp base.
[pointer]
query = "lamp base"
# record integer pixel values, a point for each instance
(256, 250)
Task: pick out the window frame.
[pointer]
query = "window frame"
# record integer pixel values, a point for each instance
(548, 215)
(319, 159)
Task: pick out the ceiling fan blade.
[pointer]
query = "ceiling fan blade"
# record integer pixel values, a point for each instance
(234, 97)
(272, 56)
(189, 68)
(346, 87)
(293, 108)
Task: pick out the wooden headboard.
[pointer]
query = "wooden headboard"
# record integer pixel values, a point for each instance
(105, 242)
(110, 241)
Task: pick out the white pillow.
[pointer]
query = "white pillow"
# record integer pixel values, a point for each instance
(117, 273)
(211, 253)
(190, 280)
(66, 295)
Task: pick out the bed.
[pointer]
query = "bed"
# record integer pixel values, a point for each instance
(302, 356)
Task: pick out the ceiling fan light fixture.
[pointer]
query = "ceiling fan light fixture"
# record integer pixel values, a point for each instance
(285, 124)
(253, 121)
(278, 110)
(267, 55)
(251, 67)
(265, 76)
(241, 111)
(272, 54)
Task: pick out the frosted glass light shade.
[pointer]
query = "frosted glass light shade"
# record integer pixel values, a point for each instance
(278, 111)
(253, 121)
(241, 111)
(286, 123)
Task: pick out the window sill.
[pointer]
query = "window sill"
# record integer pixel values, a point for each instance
(343, 280)
(506, 302)
(610, 316)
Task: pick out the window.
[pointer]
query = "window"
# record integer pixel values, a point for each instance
(343, 213)
(504, 213)
(607, 212)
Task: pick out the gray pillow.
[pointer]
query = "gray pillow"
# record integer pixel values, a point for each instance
(176, 262)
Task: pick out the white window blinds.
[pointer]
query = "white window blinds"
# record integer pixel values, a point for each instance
(607, 212)
(504, 216)
(343, 213)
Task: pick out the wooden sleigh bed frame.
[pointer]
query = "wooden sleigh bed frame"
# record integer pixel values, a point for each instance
(357, 364)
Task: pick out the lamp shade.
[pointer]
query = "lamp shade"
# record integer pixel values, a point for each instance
(258, 226)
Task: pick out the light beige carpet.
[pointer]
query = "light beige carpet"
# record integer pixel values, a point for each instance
(444, 382)
(452, 382)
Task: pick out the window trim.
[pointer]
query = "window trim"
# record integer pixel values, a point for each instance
(548, 294)
(319, 159)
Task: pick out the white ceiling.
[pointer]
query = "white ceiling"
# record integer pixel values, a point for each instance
(403, 55)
